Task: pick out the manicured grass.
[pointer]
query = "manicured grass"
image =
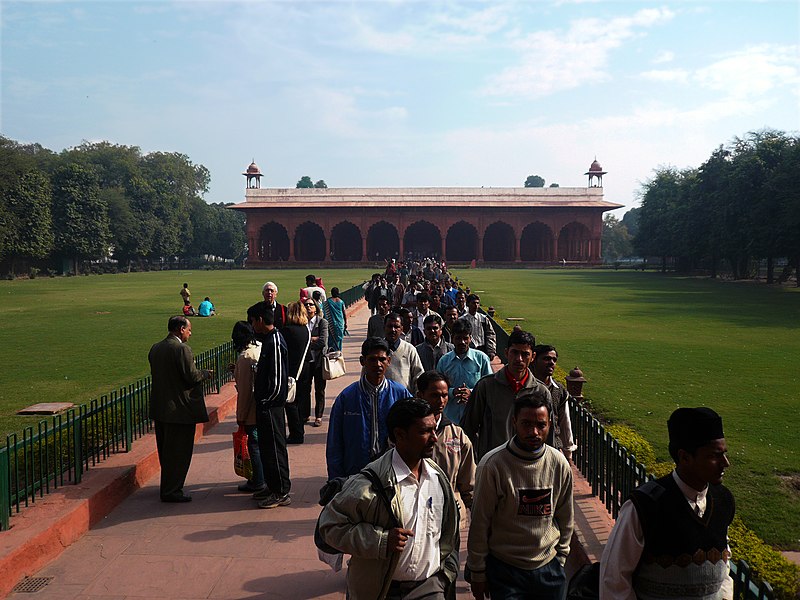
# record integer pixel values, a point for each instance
(649, 343)
(71, 339)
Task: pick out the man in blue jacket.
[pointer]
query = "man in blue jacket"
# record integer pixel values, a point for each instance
(357, 432)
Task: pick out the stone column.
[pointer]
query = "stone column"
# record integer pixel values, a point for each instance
(291, 247)
(517, 244)
(402, 245)
(480, 249)
(554, 256)
(364, 256)
(327, 249)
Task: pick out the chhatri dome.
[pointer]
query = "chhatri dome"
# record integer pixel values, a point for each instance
(595, 170)
(253, 175)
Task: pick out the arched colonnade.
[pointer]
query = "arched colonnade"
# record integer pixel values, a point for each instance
(460, 241)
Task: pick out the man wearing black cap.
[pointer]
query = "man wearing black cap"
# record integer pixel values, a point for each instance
(671, 538)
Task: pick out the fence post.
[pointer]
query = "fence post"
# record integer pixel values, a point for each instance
(5, 489)
(128, 406)
(77, 444)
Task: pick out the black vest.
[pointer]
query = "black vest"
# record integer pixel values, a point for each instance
(673, 533)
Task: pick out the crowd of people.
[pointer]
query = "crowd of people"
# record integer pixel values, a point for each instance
(431, 440)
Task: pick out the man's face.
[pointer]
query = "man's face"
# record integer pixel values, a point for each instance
(709, 462)
(473, 305)
(375, 364)
(436, 396)
(461, 342)
(383, 306)
(461, 299)
(433, 333)
(270, 294)
(259, 326)
(519, 359)
(407, 322)
(545, 364)
(419, 440)
(392, 329)
(450, 316)
(186, 331)
(532, 426)
(422, 306)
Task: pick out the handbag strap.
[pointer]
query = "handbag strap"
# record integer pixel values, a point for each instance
(303, 359)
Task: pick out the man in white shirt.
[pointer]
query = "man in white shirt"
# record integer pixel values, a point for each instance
(483, 335)
(670, 540)
(406, 365)
(408, 548)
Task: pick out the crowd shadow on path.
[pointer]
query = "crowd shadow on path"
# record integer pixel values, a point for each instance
(304, 585)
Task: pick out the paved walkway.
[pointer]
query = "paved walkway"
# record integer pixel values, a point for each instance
(222, 546)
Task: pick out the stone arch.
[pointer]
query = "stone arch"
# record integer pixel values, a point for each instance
(422, 239)
(461, 244)
(499, 242)
(382, 241)
(309, 242)
(574, 242)
(536, 243)
(346, 242)
(273, 242)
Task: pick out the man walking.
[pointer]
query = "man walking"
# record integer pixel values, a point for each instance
(487, 420)
(357, 427)
(405, 365)
(464, 367)
(671, 538)
(522, 514)
(483, 335)
(176, 406)
(434, 347)
(543, 366)
(403, 536)
(270, 294)
(270, 389)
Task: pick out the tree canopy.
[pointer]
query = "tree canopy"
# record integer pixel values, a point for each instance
(534, 181)
(101, 200)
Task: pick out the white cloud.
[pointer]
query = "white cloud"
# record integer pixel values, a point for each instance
(664, 57)
(553, 61)
(754, 71)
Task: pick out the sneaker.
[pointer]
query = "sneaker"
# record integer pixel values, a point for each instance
(263, 494)
(274, 501)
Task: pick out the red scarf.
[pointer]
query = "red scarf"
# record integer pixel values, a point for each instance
(517, 385)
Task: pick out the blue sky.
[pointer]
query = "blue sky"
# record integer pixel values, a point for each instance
(404, 93)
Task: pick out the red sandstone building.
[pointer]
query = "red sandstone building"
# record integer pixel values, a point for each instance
(489, 225)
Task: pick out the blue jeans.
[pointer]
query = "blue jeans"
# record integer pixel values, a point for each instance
(511, 583)
(255, 456)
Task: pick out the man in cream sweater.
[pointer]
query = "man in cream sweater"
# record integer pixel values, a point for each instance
(522, 515)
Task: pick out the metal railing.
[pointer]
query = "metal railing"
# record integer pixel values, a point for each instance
(57, 451)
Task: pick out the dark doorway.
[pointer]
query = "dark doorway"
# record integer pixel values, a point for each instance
(536, 244)
(273, 242)
(498, 243)
(382, 242)
(346, 242)
(573, 242)
(461, 244)
(422, 239)
(309, 243)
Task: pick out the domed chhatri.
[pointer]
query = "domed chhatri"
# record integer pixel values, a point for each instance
(253, 175)
(595, 171)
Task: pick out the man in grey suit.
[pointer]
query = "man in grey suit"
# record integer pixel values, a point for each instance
(176, 406)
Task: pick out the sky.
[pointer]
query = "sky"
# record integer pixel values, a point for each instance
(404, 93)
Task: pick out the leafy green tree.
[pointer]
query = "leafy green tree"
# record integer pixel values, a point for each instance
(616, 240)
(553, 185)
(30, 219)
(534, 181)
(305, 182)
(80, 217)
(631, 221)
(321, 184)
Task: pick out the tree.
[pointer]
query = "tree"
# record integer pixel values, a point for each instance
(616, 240)
(553, 185)
(631, 221)
(534, 181)
(305, 182)
(321, 184)
(80, 217)
(30, 219)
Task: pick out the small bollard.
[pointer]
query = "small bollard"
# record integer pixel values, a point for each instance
(575, 381)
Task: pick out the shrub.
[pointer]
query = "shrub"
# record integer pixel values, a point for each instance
(634, 443)
(765, 562)
(33, 272)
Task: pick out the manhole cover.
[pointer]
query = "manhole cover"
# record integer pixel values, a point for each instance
(32, 584)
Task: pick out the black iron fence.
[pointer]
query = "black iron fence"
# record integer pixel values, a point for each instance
(59, 450)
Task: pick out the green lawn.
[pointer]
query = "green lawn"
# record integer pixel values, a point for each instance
(649, 343)
(70, 339)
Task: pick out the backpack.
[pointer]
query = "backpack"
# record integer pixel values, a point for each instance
(333, 487)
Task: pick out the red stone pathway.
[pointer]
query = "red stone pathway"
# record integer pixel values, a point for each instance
(221, 545)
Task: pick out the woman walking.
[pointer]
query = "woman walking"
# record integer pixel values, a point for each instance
(337, 319)
(298, 339)
(312, 371)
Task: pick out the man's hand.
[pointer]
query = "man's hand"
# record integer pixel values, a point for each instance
(397, 538)
(462, 394)
(478, 590)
